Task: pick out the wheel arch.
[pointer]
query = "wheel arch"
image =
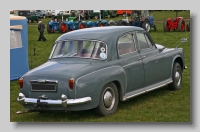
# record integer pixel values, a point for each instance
(119, 89)
(180, 61)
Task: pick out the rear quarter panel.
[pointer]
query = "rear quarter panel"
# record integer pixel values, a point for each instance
(92, 83)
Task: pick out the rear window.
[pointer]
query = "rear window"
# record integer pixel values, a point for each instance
(80, 49)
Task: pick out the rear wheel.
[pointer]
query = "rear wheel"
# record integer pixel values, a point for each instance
(81, 25)
(63, 28)
(166, 26)
(176, 77)
(100, 24)
(188, 27)
(146, 26)
(109, 99)
(181, 25)
(154, 27)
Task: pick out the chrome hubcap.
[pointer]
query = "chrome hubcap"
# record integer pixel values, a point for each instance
(178, 77)
(108, 98)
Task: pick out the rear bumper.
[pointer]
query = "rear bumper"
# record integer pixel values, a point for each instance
(63, 101)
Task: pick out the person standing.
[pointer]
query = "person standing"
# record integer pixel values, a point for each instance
(41, 28)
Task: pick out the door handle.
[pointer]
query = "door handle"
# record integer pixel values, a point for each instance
(141, 58)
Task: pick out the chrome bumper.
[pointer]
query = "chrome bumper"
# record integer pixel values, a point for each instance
(61, 102)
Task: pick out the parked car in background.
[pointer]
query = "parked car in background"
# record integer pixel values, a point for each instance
(94, 14)
(49, 13)
(41, 13)
(31, 16)
(60, 13)
(96, 68)
(53, 13)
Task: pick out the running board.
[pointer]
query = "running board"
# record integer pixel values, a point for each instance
(146, 89)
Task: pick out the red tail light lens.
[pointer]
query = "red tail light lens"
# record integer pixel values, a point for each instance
(21, 81)
(71, 83)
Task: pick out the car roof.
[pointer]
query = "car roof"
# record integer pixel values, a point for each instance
(106, 34)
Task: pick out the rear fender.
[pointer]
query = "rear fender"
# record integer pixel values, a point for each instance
(92, 83)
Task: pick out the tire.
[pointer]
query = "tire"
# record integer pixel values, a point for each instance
(111, 23)
(108, 101)
(146, 26)
(49, 29)
(100, 24)
(81, 25)
(154, 28)
(176, 77)
(122, 23)
(181, 25)
(166, 26)
(188, 27)
(63, 28)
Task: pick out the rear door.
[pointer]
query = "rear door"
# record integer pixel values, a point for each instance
(128, 59)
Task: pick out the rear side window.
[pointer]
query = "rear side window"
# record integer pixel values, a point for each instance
(126, 44)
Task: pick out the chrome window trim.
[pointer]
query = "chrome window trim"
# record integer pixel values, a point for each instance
(133, 44)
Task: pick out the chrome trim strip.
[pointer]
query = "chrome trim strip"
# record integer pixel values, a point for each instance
(60, 102)
(129, 64)
(158, 86)
(125, 98)
(43, 80)
(94, 72)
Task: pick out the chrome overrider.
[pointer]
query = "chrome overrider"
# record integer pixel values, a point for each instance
(64, 101)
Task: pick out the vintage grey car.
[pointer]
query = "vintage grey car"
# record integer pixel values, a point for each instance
(99, 67)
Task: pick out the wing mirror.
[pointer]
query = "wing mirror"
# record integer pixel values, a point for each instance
(183, 40)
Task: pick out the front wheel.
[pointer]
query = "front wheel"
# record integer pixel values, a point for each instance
(109, 99)
(176, 77)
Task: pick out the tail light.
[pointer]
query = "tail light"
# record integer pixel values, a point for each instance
(21, 81)
(71, 83)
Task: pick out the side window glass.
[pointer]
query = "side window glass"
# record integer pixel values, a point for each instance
(142, 41)
(15, 39)
(126, 44)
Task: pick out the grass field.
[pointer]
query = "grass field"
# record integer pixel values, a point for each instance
(160, 105)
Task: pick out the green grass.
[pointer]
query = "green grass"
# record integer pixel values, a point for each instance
(160, 105)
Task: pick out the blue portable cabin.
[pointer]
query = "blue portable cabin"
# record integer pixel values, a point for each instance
(18, 47)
